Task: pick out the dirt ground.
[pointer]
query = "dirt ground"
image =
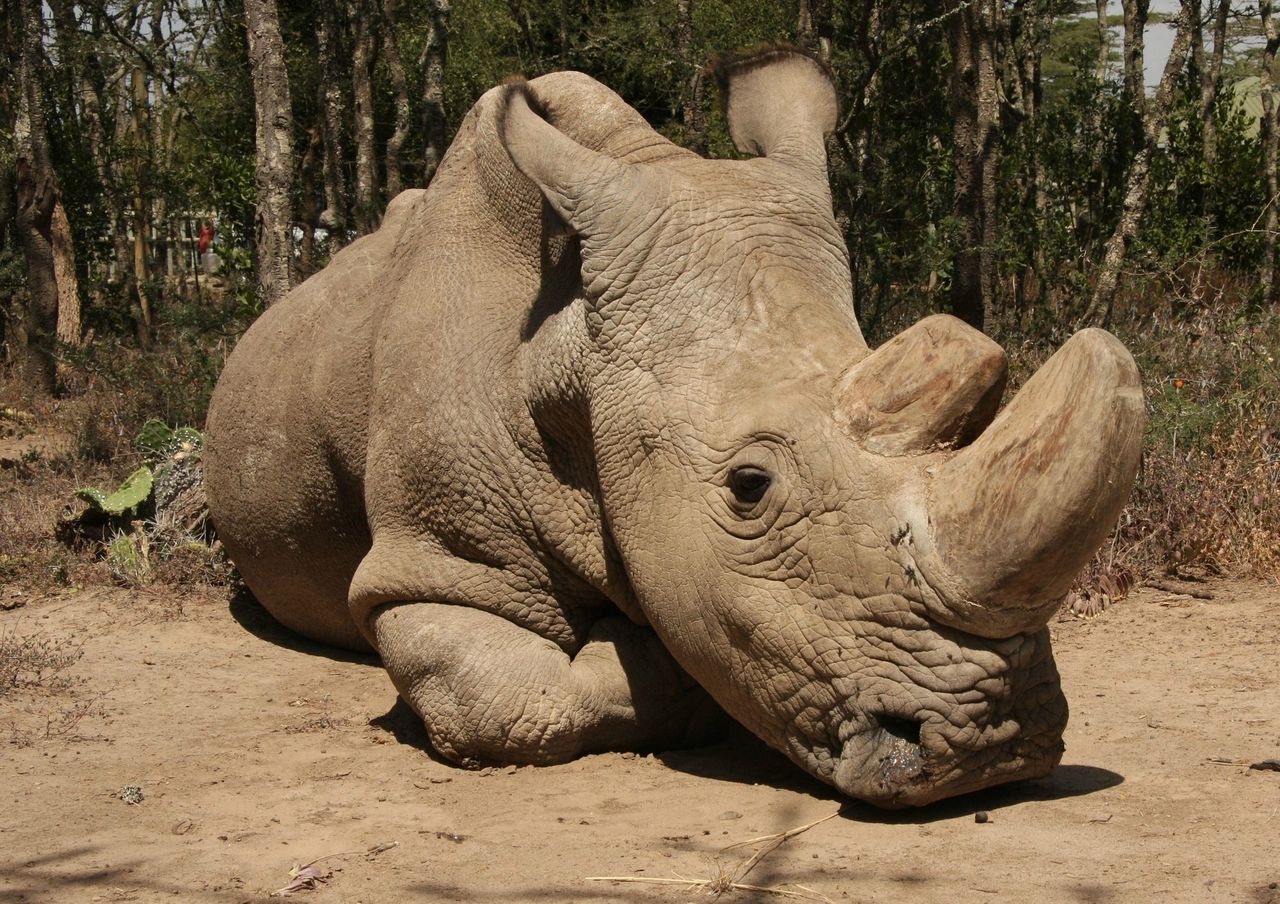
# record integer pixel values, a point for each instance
(255, 751)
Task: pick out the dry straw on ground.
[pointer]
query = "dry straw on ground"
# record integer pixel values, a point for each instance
(729, 878)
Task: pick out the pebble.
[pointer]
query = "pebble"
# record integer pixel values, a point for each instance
(981, 816)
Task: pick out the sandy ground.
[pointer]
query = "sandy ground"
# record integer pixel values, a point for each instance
(255, 751)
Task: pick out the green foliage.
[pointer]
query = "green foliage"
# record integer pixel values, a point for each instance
(128, 559)
(158, 442)
(128, 497)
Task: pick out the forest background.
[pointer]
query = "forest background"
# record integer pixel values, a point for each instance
(1007, 162)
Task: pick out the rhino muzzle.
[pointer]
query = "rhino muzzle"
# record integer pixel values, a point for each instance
(902, 754)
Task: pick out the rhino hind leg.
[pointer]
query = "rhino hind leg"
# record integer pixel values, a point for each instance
(490, 691)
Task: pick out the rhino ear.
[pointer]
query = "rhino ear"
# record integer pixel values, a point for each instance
(582, 186)
(779, 103)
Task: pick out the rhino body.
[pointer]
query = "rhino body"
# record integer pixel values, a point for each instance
(585, 442)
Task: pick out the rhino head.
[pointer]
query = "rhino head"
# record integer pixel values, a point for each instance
(849, 549)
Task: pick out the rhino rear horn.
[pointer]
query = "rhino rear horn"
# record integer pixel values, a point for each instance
(935, 384)
(779, 103)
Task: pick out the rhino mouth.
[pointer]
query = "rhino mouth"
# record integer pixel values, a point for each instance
(922, 745)
(897, 761)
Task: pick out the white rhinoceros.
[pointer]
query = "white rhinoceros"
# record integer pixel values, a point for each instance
(586, 437)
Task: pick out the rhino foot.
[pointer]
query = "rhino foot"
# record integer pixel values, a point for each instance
(492, 692)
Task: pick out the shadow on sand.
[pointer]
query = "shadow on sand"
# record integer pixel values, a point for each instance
(251, 616)
(743, 758)
(737, 757)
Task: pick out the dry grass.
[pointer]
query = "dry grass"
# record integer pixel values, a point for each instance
(32, 499)
(729, 877)
(1207, 498)
(96, 429)
(34, 660)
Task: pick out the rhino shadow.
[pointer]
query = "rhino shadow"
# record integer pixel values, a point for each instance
(250, 615)
(1074, 780)
(743, 758)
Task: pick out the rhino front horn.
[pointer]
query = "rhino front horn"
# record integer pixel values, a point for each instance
(1017, 514)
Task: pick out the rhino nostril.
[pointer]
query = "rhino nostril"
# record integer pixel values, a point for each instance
(904, 729)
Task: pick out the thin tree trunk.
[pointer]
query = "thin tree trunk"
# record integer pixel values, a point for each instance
(691, 98)
(524, 21)
(70, 51)
(33, 325)
(434, 57)
(1138, 180)
(1092, 208)
(366, 209)
(334, 217)
(274, 158)
(139, 205)
(1025, 36)
(1210, 85)
(308, 209)
(813, 27)
(400, 83)
(64, 270)
(1135, 23)
(120, 228)
(870, 46)
(975, 106)
(1270, 140)
(158, 219)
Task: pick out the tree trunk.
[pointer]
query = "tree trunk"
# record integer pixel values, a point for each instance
(64, 270)
(334, 216)
(273, 135)
(524, 21)
(434, 56)
(1092, 208)
(308, 209)
(400, 82)
(1025, 37)
(1210, 85)
(71, 55)
(1138, 179)
(366, 211)
(691, 98)
(1270, 140)
(141, 194)
(1135, 23)
(975, 108)
(813, 27)
(33, 325)
(120, 229)
(870, 38)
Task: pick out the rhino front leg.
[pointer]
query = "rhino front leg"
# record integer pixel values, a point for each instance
(490, 691)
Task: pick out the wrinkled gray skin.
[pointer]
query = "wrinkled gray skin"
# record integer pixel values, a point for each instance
(589, 427)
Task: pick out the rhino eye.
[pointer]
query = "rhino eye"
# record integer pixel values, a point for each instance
(749, 484)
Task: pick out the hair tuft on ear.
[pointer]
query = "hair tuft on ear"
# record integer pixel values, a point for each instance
(725, 66)
(778, 100)
(517, 86)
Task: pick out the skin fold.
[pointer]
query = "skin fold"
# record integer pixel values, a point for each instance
(586, 443)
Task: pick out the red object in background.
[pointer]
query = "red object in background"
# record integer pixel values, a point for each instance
(206, 237)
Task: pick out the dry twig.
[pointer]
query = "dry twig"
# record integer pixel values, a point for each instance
(731, 880)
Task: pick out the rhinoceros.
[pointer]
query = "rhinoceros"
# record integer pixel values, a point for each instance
(585, 442)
